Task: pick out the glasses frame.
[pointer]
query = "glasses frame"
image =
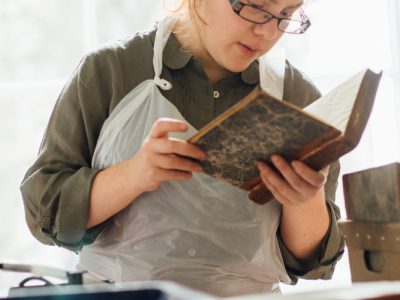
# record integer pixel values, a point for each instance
(237, 7)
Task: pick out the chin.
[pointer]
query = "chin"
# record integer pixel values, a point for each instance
(238, 67)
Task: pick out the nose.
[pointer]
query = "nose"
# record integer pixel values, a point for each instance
(268, 31)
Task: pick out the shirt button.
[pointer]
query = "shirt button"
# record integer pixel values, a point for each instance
(216, 94)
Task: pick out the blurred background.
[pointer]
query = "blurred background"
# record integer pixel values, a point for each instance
(42, 42)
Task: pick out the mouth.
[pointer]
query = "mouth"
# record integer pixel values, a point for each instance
(248, 50)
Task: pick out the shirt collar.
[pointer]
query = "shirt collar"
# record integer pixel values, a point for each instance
(251, 74)
(174, 57)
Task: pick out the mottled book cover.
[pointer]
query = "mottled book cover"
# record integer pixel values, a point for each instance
(252, 131)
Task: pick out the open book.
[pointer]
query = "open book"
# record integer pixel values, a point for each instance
(260, 125)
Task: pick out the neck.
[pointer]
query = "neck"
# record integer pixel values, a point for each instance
(215, 73)
(189, 37)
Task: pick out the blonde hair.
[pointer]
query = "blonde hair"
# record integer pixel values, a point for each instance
(183, 7)
(189, 25)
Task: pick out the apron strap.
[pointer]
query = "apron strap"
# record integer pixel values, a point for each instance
(164, 29)
(272, 71)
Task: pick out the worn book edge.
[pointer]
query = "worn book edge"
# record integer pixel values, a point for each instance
(346, 142)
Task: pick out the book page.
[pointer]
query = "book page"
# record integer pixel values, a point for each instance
(335, 107)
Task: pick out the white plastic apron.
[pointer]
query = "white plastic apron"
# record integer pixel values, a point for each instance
(202, 233)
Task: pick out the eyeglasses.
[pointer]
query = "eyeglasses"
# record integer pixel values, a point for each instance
(298, 23)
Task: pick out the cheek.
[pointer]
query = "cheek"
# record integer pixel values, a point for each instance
(218, 42)
(222, 23)
(223, 32)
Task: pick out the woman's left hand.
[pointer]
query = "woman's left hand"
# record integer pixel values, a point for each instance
(295, 184)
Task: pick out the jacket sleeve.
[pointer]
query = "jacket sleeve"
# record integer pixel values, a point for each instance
(56, 189)
(322, 264)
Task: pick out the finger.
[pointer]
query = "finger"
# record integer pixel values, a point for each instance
(162, 126)
(288, 172)
(167, 175)
(173, 162)
(277, 181)
(176, 146)
(315, 178)
(276, 194)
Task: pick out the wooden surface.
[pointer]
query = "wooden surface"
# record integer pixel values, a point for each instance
(373, 248)
(373, 194)
(372, 236)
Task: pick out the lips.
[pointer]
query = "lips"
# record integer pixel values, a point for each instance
(252, 48)
(248, 50)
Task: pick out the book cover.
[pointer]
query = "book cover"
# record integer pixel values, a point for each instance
(260, 125)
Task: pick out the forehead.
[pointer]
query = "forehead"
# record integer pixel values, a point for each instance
(284, 3)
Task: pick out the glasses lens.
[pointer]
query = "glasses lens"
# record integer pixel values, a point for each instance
(255, 15)
(290, 26)
(298, 23)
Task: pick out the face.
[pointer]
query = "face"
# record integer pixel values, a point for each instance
(232, 43)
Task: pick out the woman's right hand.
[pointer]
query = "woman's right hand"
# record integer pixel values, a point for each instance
(162, 158)
(159, 159)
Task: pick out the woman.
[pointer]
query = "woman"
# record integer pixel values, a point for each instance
(112, 183)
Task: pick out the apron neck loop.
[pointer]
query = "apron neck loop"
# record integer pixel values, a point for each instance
(164, 29)
(162, 83)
